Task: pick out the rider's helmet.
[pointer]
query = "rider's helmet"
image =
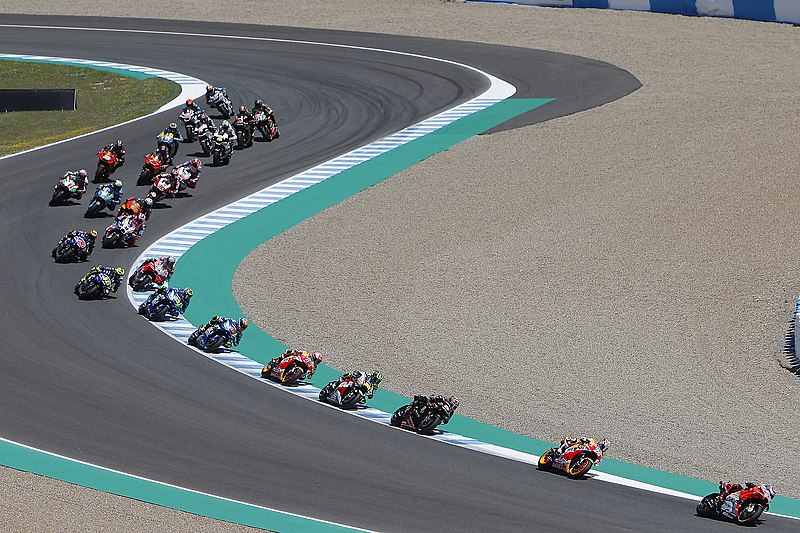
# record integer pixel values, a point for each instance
(170, 262)
(770, 491)
(117, 184)
(187, 292)
(243, 323)
(197, 164)
(148, 203)
(209, 88)
(455, 401)
(750, 484)
(119, 144)
(225, 124)
(93, 233)
(242, 109)
(119, 271)
(316, 357)
(604, 444)
(173, 126)
(83, 174)
(377, 377)
(258, 103)
(189, 102)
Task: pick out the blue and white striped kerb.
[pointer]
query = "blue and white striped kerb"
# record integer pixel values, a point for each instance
(765, 10)
(191, 87)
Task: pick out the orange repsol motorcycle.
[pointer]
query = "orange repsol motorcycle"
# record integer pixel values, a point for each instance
(576, 460)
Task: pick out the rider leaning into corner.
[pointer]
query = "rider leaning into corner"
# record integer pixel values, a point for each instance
(236, 326)
(566, 442)
(118, 149)
(730, 494)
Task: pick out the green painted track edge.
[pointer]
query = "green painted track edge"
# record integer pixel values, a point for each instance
(119, 71)
(213, 294)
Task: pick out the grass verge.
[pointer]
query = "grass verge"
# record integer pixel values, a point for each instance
(103, 99)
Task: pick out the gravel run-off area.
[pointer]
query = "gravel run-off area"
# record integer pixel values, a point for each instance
(628, 271)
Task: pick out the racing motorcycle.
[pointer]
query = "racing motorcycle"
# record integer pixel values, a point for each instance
(346, 393)
(266, 125)
(214, 338)
(151, 168)
(106, 163)
(102, 199)
(576, 460)
(65, 189)
(164, 185)
(145, 277)
(190, 122)
(163, 306)
(94, 287)
(424, 413)
(71, 250)
(753, 501)
(244, 132)
(123, 231)
(223, 150)
(205, 136)
(221, 102)
(169, 141)
(290, 369)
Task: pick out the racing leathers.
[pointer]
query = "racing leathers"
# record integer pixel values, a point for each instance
(566, 442)
(88, 237)
(114, 191)
(80, 181)
(164, 293)
(230, 324)
(261, 105)
(187, 173)
(367, 383)
(119, 152)
(163, 266)
(729, 494)
(114, 273)
(213, 95)
(192, 106)
(134, 206)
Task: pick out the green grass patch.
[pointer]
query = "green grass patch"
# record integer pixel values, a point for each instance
(103, 99)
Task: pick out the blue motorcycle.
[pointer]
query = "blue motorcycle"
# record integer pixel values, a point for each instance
(163, 305)
(71, 250)
(94, 287)
(103, 198)
(215, 337)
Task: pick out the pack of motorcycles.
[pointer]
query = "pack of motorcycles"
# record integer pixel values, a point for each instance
(424, 414)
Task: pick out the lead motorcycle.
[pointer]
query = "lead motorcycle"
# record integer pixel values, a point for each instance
(124, 231)
(745, 508)
(576, 460)
(350, 390)
(219, 100)
(425, 413)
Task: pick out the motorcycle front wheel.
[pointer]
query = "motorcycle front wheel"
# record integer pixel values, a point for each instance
(428, 424)
(58, 197)
(579, 466)
(749, 512)
(90, 292)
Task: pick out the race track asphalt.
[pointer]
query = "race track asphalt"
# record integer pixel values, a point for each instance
(92, 381)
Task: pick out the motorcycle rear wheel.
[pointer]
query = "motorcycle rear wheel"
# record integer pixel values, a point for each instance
(112, 240)
(91, 292)
(159, 313)
(351, 402)
(140, 284)
(58, 197)
(749, 512)
(215, 343)
(64, 254)
(579, 466)
(428, 424)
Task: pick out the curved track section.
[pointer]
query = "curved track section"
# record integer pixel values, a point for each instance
(91, 381)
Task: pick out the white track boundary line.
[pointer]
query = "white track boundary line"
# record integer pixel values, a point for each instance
(191, 87)
(178, 487)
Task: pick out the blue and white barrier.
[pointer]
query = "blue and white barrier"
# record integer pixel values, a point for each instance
(766, 10)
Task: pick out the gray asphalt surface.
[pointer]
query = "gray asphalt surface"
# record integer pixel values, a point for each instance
(92, 381)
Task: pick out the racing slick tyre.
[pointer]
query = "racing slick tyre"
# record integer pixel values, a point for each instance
(398, 415)
(325, 392)
(58, 197)
(292, 374)
(159, 314)
(205, 147)
(428, 424)
(99, 174)
(94, 208)
(579, 466)
(240, 141)
(707, 506)
(214, 343)
(64, 253)
(88, 292)
(141, 283)
(351, 401)
(144, 178)
(112, 240)
(545, 460)
(749, 512)
(217, 159)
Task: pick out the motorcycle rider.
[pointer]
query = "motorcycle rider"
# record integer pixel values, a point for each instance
(228, 133)
(236, 326)
(88, 237)
(730, 492)
(118, 149)
(164, 292)
(568, 441)
(193, 167)
(261, 105)
(136, 206)
(174, 184)
(315, 358)
(367, 383)
(246, 115)
(114, 189)
(173, 130)
(115, 274)
(163, 266)
(192, 106)
(80, 178)
(212, 93)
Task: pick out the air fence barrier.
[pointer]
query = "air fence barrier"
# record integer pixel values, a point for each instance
(764, 10)
(37, 100)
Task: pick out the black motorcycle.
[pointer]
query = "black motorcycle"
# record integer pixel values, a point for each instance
(425, 413)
